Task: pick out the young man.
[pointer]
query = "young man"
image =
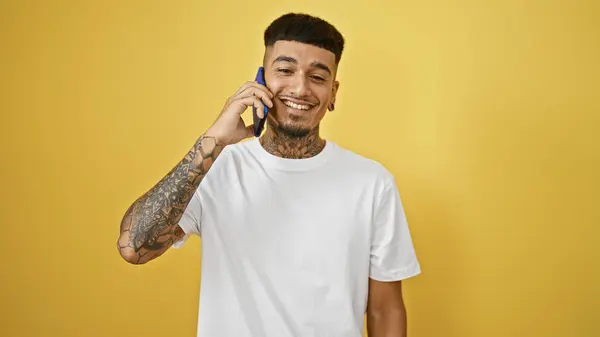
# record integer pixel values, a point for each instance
(299, 236)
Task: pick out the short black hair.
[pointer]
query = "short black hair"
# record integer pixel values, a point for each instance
(307, 29)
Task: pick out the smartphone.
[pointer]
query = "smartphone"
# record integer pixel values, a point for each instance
(259, 123)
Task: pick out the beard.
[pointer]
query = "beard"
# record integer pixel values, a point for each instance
(292, 128)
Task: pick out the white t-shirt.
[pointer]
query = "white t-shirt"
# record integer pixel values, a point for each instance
(288, 245)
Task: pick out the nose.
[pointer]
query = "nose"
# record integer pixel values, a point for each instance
(300, 85)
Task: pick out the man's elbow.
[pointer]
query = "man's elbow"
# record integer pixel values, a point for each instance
(130, 256)
(126, 252)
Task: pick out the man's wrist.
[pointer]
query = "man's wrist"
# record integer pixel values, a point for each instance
(209, 135)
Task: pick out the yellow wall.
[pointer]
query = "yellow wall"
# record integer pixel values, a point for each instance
(487, 112)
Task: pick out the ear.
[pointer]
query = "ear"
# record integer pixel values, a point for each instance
(334, 90)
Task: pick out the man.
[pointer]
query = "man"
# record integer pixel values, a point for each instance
(299, 236)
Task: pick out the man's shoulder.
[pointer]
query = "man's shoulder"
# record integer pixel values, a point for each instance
(241, 148)
(362, 164)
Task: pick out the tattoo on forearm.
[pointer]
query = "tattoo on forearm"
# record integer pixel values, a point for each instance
(150, 225)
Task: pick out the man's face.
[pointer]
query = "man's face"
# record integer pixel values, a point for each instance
(302, 79)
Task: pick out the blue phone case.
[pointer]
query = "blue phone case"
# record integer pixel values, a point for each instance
(259, 123)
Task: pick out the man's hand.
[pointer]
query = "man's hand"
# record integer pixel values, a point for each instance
(229, 128)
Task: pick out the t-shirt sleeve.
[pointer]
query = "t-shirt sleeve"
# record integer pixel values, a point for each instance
(190, 220)
(393, 255)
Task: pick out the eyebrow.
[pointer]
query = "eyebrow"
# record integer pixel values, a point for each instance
(314, 64)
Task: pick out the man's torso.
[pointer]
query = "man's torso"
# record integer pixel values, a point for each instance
(286, 244)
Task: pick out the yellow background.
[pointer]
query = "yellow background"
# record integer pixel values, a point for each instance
(487, 112)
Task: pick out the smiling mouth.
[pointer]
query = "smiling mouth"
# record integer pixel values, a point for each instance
(297, 106)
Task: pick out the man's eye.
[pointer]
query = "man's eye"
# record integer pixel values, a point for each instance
(318, 78)
(285, 71)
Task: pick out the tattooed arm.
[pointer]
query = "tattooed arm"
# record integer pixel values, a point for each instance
(150, 225)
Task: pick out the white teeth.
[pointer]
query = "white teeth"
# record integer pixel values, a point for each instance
(296, 106)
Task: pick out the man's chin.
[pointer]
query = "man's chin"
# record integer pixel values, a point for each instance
(292, 130)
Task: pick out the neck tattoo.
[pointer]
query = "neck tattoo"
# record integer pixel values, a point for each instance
(281, 144)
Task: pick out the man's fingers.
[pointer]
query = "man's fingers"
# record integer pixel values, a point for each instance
(245, 102)
(243, 87)
(254, 87)
(249, 92)
(263, 88)
(264, 99)
(260, 107)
